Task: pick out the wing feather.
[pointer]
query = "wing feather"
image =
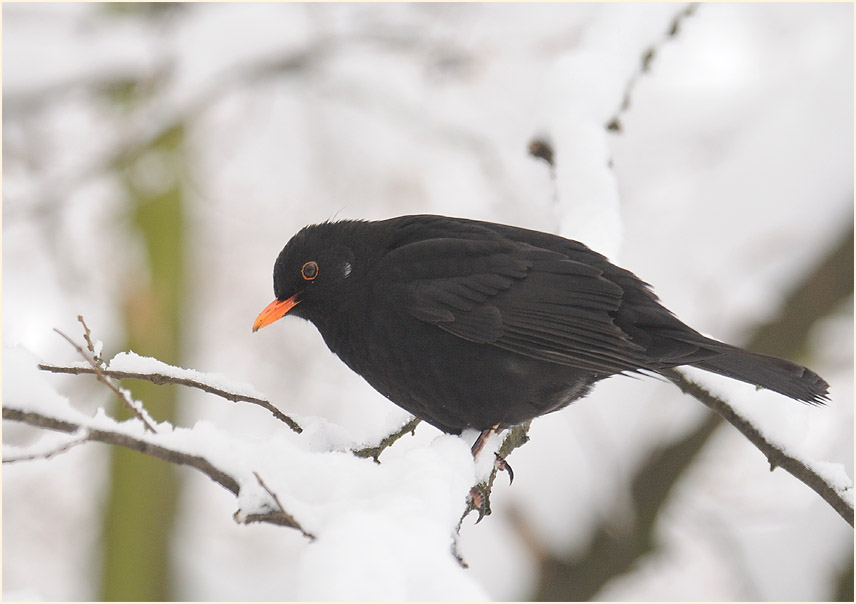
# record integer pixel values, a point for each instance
(518, 297)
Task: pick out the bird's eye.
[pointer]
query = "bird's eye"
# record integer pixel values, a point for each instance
(309, 270)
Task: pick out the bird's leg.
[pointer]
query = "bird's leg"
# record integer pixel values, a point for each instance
(500, 462)
(478, 495)
(482, 439)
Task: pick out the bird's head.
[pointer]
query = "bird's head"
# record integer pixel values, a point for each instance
(311, 276)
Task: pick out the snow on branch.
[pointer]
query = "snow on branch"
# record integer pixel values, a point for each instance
(147, 444)
(375, 451)
(351, 507)
(296, 473)
(234, 464)
(128, 365)
(238, 465)
(826, 479)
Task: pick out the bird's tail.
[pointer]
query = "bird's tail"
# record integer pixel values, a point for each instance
(772, 373)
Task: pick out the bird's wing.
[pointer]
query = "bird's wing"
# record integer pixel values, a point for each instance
(522, 298)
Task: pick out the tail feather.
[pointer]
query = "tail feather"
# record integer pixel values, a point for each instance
(772, 373)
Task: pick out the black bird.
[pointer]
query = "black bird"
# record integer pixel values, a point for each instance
(469, 324)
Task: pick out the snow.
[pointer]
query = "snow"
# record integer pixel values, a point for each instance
(589, 211)
(835, 475)
(402, 559)
(385, 532)
(25, 387)
(367, 516)
(133, 363)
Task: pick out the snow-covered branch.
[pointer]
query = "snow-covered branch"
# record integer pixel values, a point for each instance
(180, 446)
(148, 444)
(160, 373)
(303, 481)
(827, 480)
(374, 452)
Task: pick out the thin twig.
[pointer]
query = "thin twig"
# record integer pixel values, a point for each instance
(160, 379)
(99, 373)
(279, 516)
(63, 448)
(87, 336)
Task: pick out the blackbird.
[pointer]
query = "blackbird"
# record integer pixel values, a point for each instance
(469, 324)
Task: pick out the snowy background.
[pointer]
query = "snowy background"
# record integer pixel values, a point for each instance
(731, 178)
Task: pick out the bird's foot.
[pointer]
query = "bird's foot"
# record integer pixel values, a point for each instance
(503, 466)
(480, 501)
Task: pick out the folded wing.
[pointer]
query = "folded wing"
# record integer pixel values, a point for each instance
(525, 299)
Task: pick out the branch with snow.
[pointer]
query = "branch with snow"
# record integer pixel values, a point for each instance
(99, 429)
(350, 507)
(294, 470)
(826, 479)
(374, 451)
(128, 365)
(34, 403)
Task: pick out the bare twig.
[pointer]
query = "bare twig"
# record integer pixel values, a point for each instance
(160, 379)
(775, 455)
(87, 336)
(374, 452)
(121, 393)
(278, 516)
(63, 448)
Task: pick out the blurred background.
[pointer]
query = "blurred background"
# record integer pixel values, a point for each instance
(156, 158)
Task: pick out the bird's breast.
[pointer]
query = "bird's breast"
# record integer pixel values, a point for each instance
(448, 381)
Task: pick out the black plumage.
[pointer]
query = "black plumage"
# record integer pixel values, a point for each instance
(470, 324)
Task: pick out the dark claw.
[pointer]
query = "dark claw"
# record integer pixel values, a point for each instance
(504, 466)
(480, 502)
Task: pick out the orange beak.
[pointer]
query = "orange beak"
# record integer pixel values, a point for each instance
(274, 312)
